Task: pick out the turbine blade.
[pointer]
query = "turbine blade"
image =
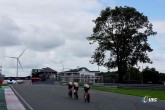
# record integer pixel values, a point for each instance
(11, 57)
(22, 53)
(20, 64)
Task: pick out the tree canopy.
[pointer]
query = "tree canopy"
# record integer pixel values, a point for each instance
(121, 34)
(150, 75)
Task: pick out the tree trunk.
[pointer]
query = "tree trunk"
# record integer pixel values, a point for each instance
(121, 71)
(120, 76)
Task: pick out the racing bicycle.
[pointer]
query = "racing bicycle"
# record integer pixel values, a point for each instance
(70, 93)
(86, 97)
(76, 94)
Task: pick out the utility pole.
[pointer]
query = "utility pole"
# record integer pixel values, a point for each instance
(62, 66)
(129, 76)
(1, 69)
(142, 74)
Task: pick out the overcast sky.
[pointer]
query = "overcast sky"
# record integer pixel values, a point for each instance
(55, 31)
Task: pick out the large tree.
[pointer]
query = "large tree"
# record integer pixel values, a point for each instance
(121, 34)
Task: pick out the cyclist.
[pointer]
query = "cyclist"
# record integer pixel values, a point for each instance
(86, 87)
(86, 94)
(76, 86)
(70, 84)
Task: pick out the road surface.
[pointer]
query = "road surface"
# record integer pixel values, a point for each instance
(54, 97)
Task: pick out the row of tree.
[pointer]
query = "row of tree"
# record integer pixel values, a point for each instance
(134, 76)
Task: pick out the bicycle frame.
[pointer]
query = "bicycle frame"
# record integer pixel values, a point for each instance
(76, 94)
(70, 93)
(86, 97)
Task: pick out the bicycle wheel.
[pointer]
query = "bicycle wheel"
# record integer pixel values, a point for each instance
(76, 95)
(88, 98)
(85, 97)
(70, 94)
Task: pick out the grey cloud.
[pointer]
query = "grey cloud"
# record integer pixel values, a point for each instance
(8, 32)
(45, 45)
(7, 39)
(43, 39)
(76, 48)
(52, 30)
(2, 52)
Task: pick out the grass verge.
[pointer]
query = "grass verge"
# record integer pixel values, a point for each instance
(2, 99)
(160, 94)
(2, 85)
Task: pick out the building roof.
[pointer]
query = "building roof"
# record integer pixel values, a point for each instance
(47, 69)
(36, 69)
(79, 69)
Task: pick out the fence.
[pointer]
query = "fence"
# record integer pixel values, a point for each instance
(80, 79)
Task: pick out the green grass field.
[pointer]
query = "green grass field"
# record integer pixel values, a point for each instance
(160, 94)
(2, 85)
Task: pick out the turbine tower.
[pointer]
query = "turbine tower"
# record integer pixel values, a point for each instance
(17, 58)
(1, 69)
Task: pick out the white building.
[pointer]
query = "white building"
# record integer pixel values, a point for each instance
(79, 75)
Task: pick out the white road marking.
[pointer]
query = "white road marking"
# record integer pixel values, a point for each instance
(12, 101)
(22, 99)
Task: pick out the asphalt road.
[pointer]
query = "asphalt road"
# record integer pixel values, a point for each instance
(54, 97)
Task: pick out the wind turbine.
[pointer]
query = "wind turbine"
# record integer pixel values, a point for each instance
(63, 66)
(17, 58)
